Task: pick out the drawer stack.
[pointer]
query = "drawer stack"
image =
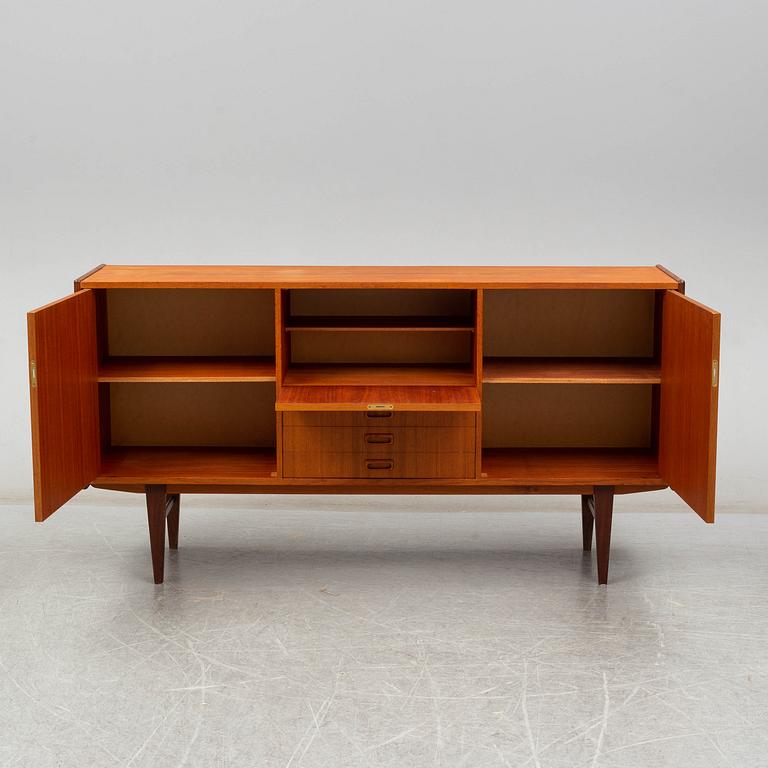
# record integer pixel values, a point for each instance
(353, 444)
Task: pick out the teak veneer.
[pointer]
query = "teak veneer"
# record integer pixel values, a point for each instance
(163, 380)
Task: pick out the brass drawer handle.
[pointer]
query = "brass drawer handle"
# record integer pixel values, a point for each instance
(380, 439)
(379, 464)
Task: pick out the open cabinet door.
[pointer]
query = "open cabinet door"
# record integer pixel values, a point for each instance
(64, 398)
(690, 360)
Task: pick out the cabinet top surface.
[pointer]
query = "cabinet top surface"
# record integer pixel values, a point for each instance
(336, 276)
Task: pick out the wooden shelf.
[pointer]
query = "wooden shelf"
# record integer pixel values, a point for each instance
(349, 374)
(571, 466)
(402, 398)
(570, 370)
(192, 466)
(387, 323)
(187, 369)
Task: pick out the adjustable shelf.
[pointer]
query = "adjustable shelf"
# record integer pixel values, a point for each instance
(184, 465)
(386, 323)
(368, 375)
(186, 369)
(570, 370)
(571, 466)
(399, 398)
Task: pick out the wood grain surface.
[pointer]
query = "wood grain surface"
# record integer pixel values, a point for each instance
(379, 441)
(64, 400)
(114, 276)
(574, 466)
(402, 398)
(300, 464)
(378, 420)
(690, 360)
(187, 465)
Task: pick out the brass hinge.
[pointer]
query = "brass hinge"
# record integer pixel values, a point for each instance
(381, 407)
(33, 373)
(714, 373)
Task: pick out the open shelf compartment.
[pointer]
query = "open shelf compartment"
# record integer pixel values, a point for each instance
(570, 324)
(570, 433)
(158, 335)
(571, 387)
(187, 369)
(188, 432)
(571, 466)
(372, 375)
(187, 465)
(571, 370)
(378, 338)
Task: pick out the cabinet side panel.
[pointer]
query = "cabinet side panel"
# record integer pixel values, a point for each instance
(478, 341)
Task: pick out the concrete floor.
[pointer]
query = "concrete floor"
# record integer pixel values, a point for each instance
(382, 632)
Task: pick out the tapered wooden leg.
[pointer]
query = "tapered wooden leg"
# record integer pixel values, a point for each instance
(587, 522)
(156, 511)
(603, 516)
(174, 502)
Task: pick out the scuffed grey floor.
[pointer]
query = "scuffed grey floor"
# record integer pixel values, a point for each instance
(382, 632)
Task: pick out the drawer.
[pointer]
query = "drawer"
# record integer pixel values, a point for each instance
(379, 418)
(375, 440)
(406, 444)
(394, 466)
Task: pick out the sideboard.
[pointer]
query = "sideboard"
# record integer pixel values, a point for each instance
(165, 380)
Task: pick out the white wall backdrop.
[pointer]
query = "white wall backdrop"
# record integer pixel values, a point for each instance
(535, 132)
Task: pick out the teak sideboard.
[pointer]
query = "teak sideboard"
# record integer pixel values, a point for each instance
(340, 379)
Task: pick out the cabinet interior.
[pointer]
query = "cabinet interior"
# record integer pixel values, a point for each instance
(567, 416)
(381, 302)
(568, 323)
(237, 414)
(569, 370)
(555, 370)
(188, 370)
(157, 322)
(368, 335)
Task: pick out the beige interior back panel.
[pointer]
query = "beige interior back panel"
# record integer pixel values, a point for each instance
(568, 323)
(227, 414)
(363, 301)
(566, 416)
(380, 347)
(190, 322)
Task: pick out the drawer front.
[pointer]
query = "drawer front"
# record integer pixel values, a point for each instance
(379, 441)
(378, 419)
(360, 445)
(396, 466)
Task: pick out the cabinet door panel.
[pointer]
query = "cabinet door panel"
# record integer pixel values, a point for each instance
(64, 400)
(690, 359)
